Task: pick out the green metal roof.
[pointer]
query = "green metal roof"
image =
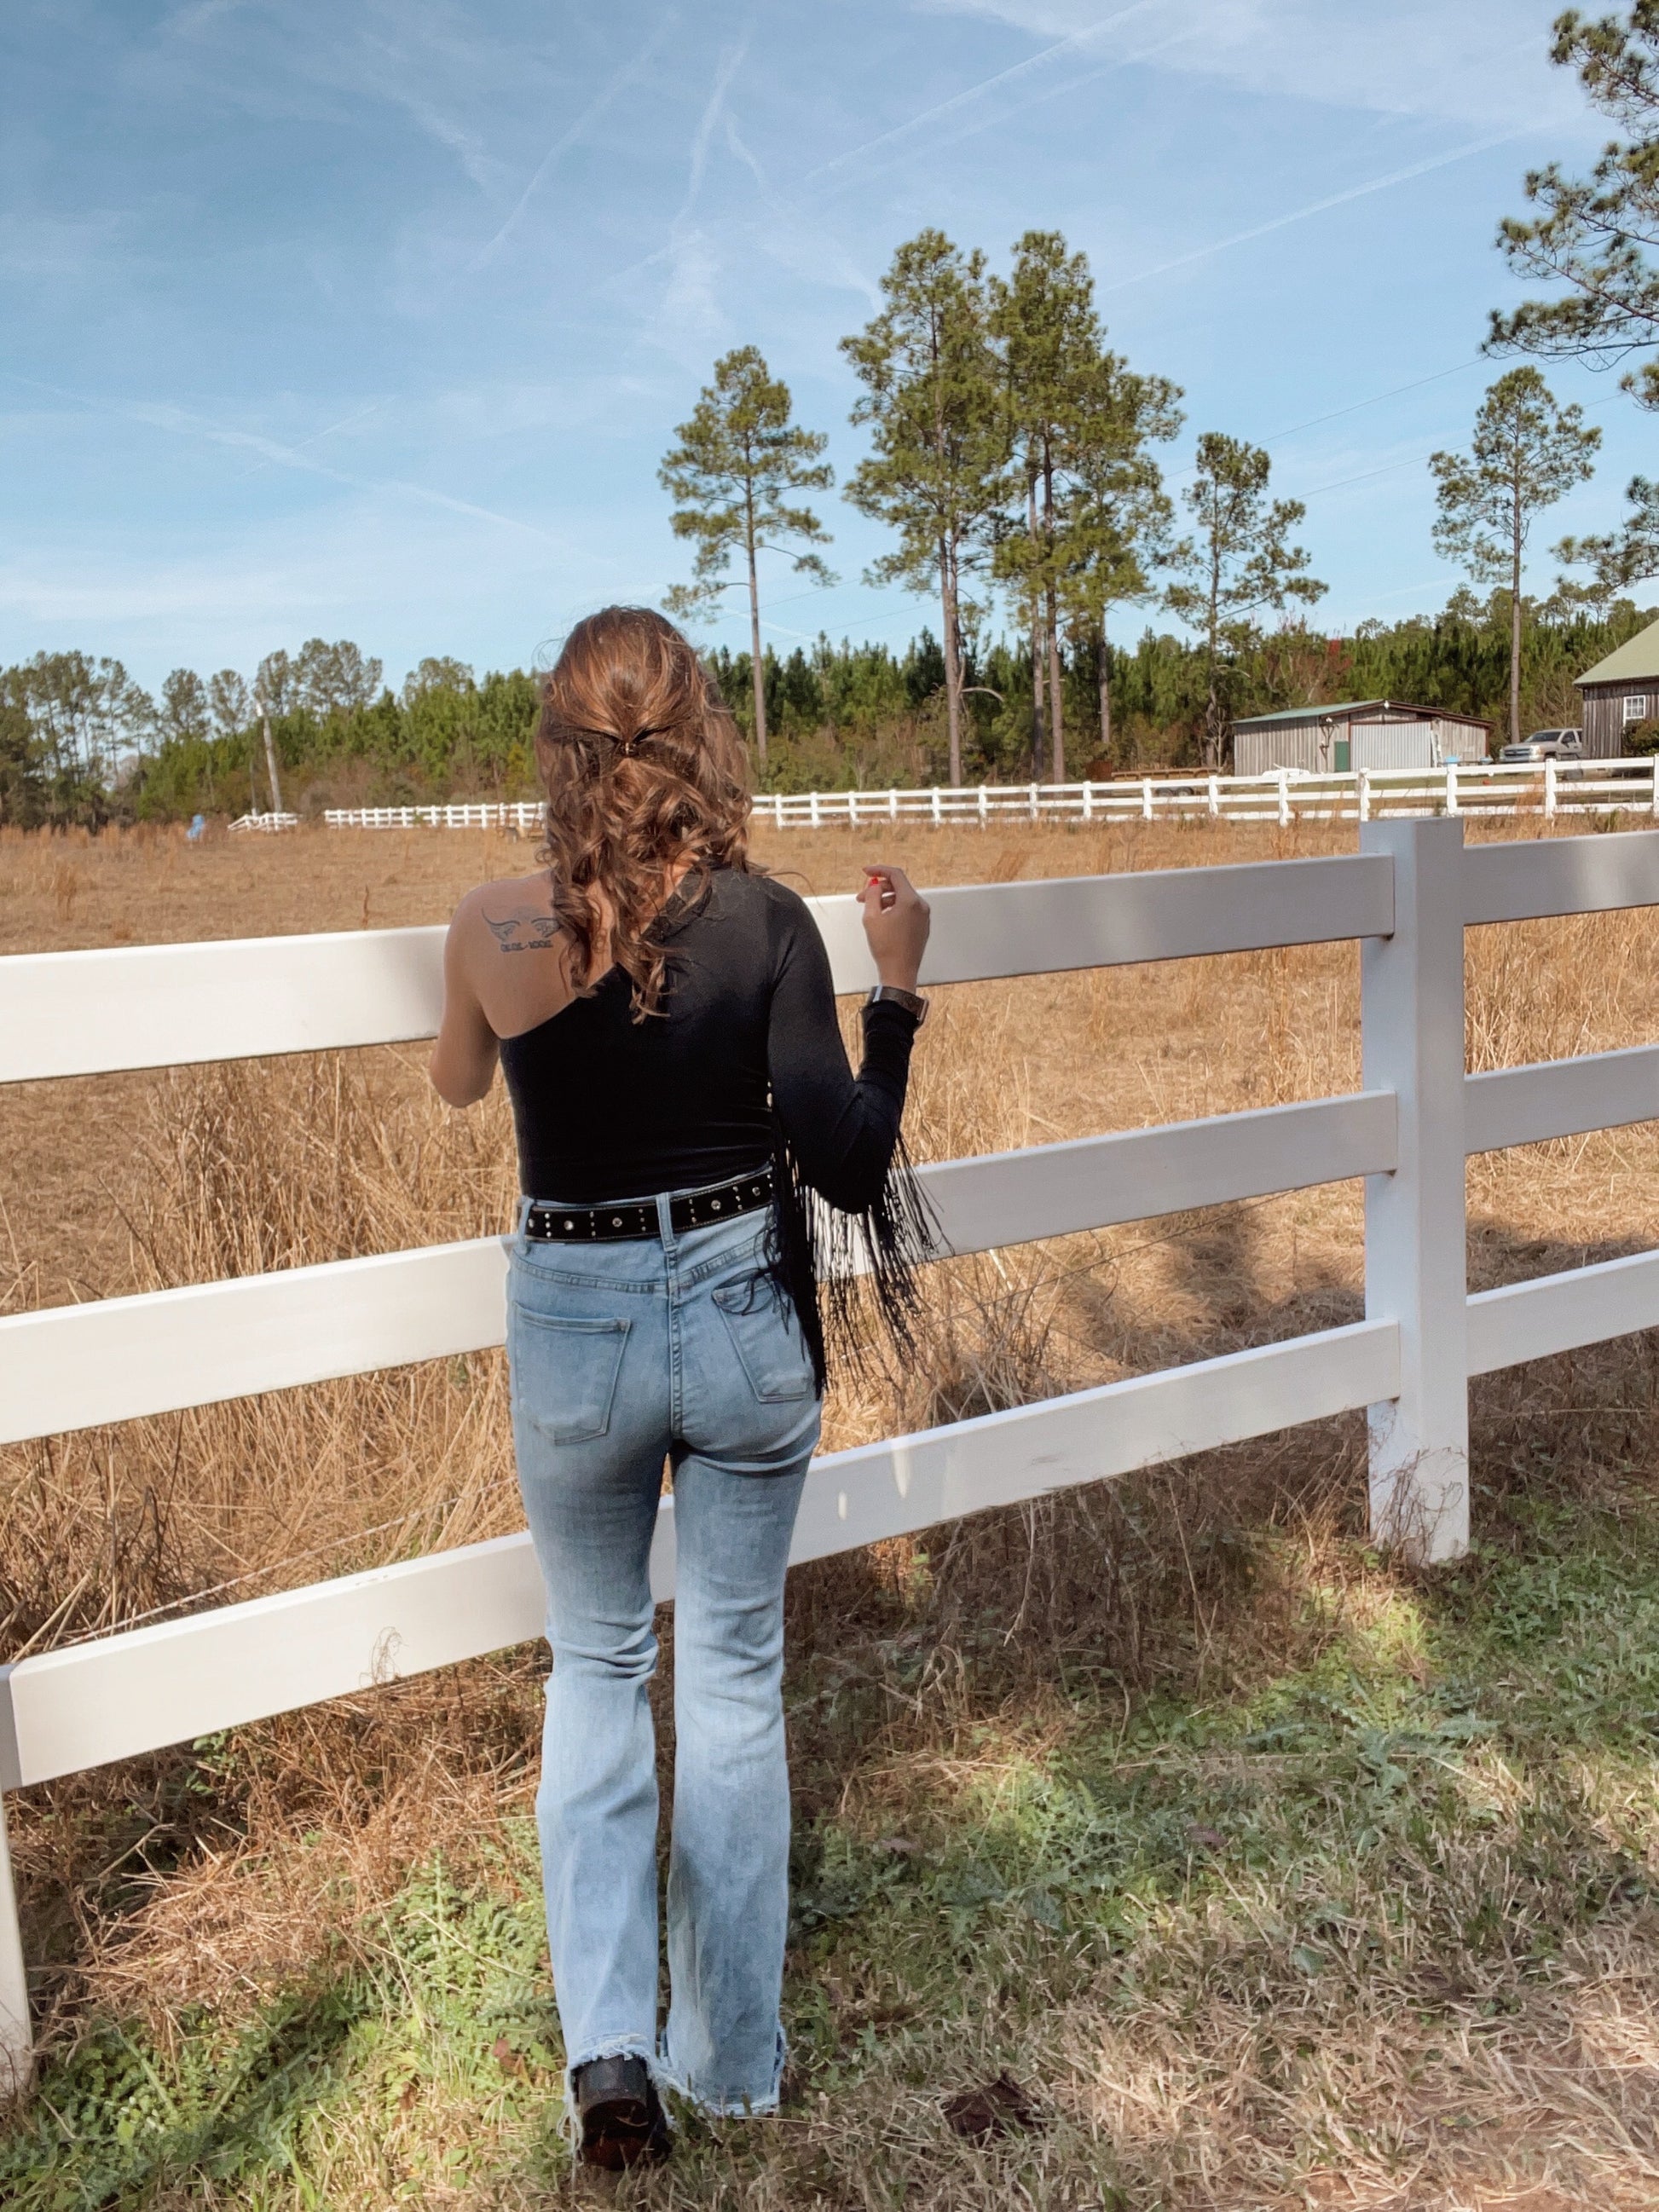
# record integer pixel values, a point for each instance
(1345, 710)
(1636, 659)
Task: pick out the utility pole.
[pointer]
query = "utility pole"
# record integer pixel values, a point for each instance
(270, 758)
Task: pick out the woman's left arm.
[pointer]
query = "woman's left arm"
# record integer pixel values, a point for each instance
(463, 1063)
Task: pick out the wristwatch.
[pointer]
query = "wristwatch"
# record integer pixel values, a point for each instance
(912, 1001)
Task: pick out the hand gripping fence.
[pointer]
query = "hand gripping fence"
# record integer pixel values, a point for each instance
(1407, 895)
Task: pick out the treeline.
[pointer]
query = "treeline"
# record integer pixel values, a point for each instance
(79, 742)
(843, 715)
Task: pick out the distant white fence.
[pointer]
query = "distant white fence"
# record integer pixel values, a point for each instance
(266, 822)
(1407, 895)
(526, 816)
(1545, 789)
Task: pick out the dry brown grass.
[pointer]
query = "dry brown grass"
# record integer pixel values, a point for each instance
(925, 1674)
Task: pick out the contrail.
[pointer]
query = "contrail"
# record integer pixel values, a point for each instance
(972, 91)
(182, 423)
(567, 138)
(327, 431)
(731, 63)
(1317, 207)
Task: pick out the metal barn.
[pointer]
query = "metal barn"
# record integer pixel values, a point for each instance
(1357, 733)
(1619, 692)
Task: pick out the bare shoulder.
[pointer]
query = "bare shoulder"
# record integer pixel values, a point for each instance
(515, 913)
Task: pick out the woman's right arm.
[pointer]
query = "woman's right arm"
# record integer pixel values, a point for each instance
(463, 1063)
(842, 1128)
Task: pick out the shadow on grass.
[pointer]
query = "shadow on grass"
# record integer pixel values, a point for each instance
(117, 2120)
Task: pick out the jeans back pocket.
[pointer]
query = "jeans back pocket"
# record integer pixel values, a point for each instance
(766, 1339)
(564, 1372)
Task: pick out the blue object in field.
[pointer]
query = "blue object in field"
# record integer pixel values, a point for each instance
(198, 823)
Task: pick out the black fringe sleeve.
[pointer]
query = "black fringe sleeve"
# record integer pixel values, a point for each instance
(850, 1217)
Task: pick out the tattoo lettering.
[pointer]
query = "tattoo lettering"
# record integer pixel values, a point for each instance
(526, 931)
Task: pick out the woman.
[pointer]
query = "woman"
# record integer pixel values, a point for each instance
(663, 1014)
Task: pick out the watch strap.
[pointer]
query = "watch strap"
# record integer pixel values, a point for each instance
(890, 994)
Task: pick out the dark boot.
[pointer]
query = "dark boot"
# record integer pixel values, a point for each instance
(619, 2113)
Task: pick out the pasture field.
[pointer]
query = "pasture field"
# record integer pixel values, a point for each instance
(1274, 1874)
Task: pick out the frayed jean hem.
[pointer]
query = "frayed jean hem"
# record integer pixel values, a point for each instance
(725, 2106)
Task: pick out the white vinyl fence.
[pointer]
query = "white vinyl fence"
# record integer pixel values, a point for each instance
(1545, 789)
(1408, 895)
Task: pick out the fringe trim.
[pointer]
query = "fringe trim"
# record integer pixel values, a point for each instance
(834, 1267)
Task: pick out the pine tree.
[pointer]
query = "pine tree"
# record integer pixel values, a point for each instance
(1628, 556)
(937, 471)
(1239, 563)
(1043, 317)
(1591, 233)
(1118, 513)
(23, 797)
(738, 458)
(1527, 453)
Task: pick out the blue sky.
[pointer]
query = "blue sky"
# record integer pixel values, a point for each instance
(375, 320)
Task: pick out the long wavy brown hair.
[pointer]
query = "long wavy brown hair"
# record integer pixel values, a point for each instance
(645, 773)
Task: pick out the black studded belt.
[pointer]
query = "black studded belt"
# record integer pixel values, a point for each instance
(612, 1224)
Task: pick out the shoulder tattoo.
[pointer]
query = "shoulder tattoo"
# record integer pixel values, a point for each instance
(524, 931)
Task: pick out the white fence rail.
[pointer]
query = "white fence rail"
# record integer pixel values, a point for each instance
(1545, 789)
(1407, 896)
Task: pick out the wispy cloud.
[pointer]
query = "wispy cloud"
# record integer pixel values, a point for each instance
(227, 597)
(476, 162)
(688, 323)
(45, 243)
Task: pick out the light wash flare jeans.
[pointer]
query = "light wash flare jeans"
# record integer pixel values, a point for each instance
(624, 1356)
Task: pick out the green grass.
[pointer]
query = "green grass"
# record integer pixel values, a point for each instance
(1376, 1927)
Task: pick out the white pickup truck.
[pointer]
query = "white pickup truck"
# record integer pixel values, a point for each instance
(1547, 745)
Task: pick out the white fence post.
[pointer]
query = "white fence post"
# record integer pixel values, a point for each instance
(1146, 799)
(1416, 1273)
(1549, 789)
(1365, 794)
(16, 2045)
(1284, 799)
(1214, 788)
